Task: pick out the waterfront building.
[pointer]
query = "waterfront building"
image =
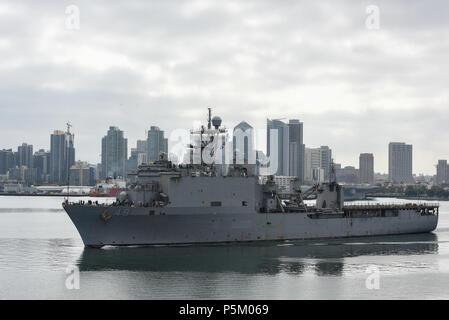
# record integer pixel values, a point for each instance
(400, 166)
(15, 174)
(347, 174)
(13, 188)
(7, 160)
(62, 155)
(296, 149)
(156, 144)
(312, 160)
(317, 164)
(380, 178)
(131, 163)
(114, 153)
(366, 168)
(141, 146)
(326, 161)
(29, 176)
(23, 174)
(82, 174)
(41, 161)
(25, 155)
(442, 176)
(98, 171)
(278, 153)
(137, 158)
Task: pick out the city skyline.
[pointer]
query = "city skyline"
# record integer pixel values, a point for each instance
(156, 136)
(130, 149)
(354, 88)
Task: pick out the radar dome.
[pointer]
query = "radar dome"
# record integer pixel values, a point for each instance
(123, 196)
(216, 122)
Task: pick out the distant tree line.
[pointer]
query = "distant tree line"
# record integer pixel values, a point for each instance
(416, 190)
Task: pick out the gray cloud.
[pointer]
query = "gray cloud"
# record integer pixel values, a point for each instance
(139, 63)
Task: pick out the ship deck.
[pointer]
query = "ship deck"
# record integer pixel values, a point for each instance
(390, 206)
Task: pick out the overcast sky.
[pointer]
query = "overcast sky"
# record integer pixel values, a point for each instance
(134, 64)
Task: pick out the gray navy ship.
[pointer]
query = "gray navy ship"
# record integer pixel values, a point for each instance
(216, 203)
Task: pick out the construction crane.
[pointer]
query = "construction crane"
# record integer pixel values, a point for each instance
(301, 196)
(69, 125)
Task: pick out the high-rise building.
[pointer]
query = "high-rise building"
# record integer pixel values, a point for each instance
(98, 171)
(278, 153)
(82, 174)
(25, 155)
(326, 161)
(243, 144)
(347, 174)
(366, 168)
(156, 144)
(296, 149)
(41, 161)
(317, 164)
(30, 175)
(138, 156)
(62, 155)
(400, 166)
(141, 146)
(132, 162)
(442, 176)
(7, 160)
(23, 174)
(114, 153)
(16, 173)
(312, 160)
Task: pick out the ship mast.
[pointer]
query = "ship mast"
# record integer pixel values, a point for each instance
(69, 125)
(209, 118)
(332, 174)
(209, 126)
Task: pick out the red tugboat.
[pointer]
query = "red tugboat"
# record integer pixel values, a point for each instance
(109, 188)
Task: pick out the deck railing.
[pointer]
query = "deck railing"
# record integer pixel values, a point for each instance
(367, 206)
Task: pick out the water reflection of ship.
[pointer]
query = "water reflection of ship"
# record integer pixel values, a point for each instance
(327, 258)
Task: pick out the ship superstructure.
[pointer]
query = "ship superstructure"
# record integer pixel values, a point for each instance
(209, 202)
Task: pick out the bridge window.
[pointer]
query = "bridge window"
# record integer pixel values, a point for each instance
(215, 204)
(244, 203)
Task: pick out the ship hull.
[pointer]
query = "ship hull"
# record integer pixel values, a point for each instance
(99, 226)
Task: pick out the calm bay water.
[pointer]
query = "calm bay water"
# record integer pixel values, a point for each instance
(38, 242)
